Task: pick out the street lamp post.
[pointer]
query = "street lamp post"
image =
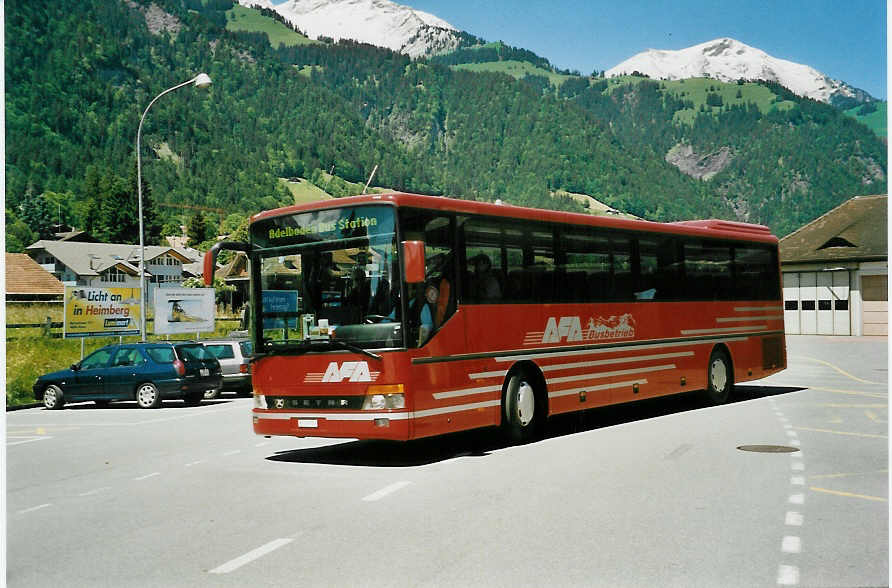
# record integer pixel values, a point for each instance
(202, 80)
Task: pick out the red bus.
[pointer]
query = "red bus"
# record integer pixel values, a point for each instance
(400, 316)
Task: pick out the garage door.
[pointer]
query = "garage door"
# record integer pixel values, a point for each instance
(817, 303)
(875, 293)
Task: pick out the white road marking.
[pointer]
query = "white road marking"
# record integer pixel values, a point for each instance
(25, 440)
(793, 519)
(33, 508)
(261, 444)
(787, 575)
(797, 499)
(791, 544)
(797, 466)
(385, 491)
(152, 475)
(94, 491)
(238, 562)
(797, 480)
(233, 452)
(190, 464)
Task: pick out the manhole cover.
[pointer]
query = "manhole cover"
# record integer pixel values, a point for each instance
(768, 448)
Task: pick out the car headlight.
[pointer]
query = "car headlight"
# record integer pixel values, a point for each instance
(260, 401)
(384, 397)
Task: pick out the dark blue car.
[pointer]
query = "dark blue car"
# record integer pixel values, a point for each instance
(145, 372)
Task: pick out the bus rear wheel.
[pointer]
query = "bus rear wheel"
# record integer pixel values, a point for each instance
(523, 412)
(719, 378)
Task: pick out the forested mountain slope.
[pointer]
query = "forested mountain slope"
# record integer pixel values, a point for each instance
(79, 74)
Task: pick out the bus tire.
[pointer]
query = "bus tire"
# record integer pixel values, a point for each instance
(523, 412)
(719, 377)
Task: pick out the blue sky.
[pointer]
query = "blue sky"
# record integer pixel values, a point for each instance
(843, 39)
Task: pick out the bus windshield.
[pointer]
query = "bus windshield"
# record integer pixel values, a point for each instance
(329, 276)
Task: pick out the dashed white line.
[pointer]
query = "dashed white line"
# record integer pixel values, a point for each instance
(797, 466)
(797, 480)
(797, 499)
(793, 519)
(147, 476)
(25, 440)
(33, 508)
(385, 491)
(233, 452)
(262, 443)
(238, 562)
(190, 464)
(787, 575)
(95, 491)
(791, 544)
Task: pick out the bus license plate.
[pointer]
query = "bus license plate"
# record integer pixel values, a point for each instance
(308, 423)
(205, 371)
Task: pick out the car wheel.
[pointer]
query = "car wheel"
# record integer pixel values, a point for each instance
(147, 396)
(211, 394)
(53, 399)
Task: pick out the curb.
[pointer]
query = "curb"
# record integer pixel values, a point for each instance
(23, 406)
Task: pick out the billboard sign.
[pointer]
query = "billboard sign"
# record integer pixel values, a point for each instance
(283, 303)
(101, 312)
(184, 310)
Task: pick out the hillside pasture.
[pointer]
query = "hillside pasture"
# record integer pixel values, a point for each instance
(516, 69)
(241, 18)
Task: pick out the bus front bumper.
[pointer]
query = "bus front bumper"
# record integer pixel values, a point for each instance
(352, 425)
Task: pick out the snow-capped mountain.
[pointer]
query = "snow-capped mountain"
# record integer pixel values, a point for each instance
(377, 22)
(729, 60)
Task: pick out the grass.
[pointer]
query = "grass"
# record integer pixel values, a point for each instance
(517, 69)
(876, 121)
(29, 354)
(304, 191)
(241, 18)
(696, 90)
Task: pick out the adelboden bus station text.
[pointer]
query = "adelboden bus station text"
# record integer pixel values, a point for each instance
(343, 224)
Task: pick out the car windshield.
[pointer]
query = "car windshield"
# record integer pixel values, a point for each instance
(329, 275)
(193, 352)
(220, 350)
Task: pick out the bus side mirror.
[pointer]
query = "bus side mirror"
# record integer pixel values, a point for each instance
(413, 261)
(210, 258)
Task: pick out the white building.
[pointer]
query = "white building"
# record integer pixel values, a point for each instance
(835, 271)
(110, 265)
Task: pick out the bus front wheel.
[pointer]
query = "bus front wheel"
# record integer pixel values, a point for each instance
(523, 412)
(719, 377)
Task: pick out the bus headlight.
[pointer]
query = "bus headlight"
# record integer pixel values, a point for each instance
(260, 401)
(384, 397)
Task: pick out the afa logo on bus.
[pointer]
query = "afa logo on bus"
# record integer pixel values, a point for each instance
(570, 329)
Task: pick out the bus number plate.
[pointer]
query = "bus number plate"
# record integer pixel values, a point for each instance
(308, 423)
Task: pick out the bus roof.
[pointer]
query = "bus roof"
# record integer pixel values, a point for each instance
(706, 228)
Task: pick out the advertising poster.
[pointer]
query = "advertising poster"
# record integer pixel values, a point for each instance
(184, 310)
(101, 312)
(279, 309)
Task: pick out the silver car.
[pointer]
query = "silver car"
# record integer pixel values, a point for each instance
(234, 356)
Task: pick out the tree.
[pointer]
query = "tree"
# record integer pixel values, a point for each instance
(196, 230)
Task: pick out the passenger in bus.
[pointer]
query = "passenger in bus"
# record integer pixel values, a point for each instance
(484, 282)
(420, 321)
(440, 271)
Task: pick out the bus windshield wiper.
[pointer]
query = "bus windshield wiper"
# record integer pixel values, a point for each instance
(298, 347)
(355, 348)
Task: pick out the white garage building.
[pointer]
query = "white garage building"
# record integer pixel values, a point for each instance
(835, 272)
